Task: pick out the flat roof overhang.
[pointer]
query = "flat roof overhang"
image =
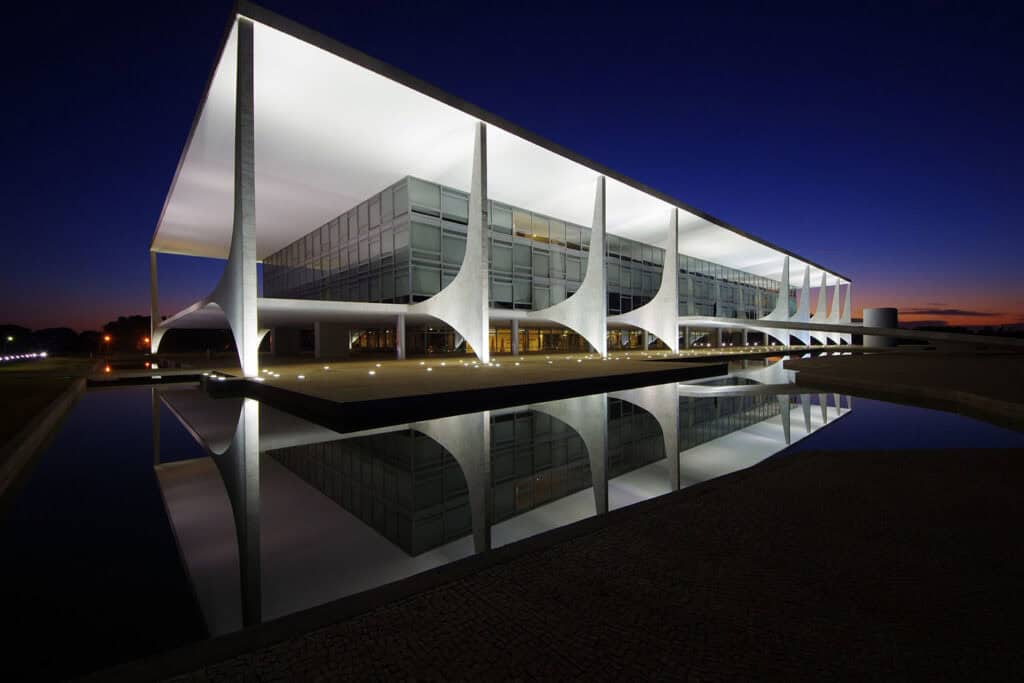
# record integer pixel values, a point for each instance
(335, 126)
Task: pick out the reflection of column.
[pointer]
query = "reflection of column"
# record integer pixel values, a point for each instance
(662, 402)
(468, 439)
(588, 415)
(515, 337)
(823, 402)
(239, 466)
(156, 425)
(805, 401)
(784, 412)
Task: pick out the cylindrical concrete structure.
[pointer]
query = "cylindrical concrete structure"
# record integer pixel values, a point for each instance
(880, 317)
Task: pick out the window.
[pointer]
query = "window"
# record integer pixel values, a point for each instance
(455, 208)
(401, 198)
(375, 211)
(522, 223)
(425, 197)
(426, 237)
(558, 232)
(540, 263)
(572, 268)
(454, 249)
(522, 256)
(426, 280)
(501, 219)
(501, 257)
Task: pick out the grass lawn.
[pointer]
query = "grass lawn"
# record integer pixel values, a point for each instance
(28, 388)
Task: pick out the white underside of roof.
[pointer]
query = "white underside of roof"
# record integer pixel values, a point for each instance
(330, 133)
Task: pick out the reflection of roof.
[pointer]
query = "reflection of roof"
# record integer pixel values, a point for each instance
(334, 126)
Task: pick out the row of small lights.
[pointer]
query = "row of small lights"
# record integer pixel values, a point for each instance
(270, 374)
(22, 356)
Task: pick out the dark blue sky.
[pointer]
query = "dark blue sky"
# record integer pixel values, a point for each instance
(885, 142)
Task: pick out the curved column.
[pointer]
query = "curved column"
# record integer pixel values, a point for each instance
(803, 309)
(155, 337)
(660, 315)
(463, 304)
(781, 310)
(586, 311)
(588, 416)
(661, 401)
(237, 289)
(820, 315)
(468, 439)
(833, 316)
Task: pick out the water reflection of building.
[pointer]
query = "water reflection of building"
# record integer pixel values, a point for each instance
(413, 492)
(259, 540)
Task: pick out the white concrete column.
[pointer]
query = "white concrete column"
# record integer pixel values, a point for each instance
(463, 304)
(847, 309)
(586, 311)
(660, 315)
(718, 337)
(236, 292)
(686, 337)
(803, 309)
(820, 314)
(746, 336)
(833, 316)
(400, 337)
(781, 310)
(515, 337)
(154, 303)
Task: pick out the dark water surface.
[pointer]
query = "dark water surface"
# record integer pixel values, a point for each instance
(107, 558)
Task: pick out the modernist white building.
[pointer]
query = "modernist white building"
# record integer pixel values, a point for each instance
(386, 211)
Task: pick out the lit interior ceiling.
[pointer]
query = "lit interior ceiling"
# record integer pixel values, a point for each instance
(330, 132)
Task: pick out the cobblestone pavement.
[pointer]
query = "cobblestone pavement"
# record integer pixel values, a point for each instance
(857, 566)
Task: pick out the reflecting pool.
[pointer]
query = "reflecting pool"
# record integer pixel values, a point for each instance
(160, 515)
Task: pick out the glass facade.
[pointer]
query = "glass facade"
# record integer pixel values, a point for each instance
(406, 243)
